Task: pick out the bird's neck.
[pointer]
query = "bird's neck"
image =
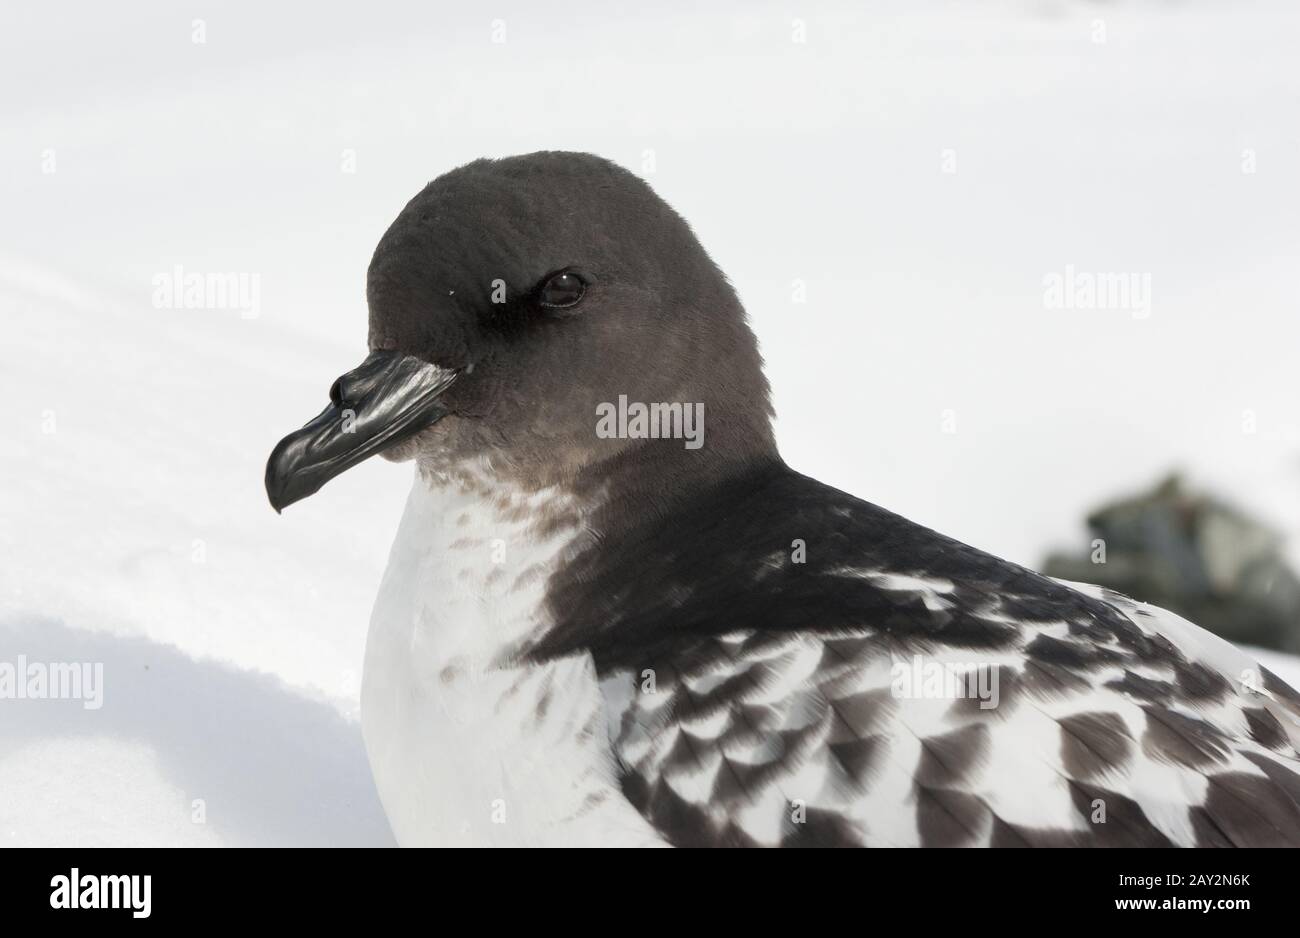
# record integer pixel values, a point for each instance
(473, 554)
(482, 553)
(468, 741)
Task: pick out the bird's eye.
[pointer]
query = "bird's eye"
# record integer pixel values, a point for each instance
(562, 290)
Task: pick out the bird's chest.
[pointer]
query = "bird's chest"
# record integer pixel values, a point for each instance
(467, 746)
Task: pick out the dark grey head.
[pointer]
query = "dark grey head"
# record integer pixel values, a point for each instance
(516, 304)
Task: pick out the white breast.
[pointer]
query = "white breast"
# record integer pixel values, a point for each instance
(467, 746)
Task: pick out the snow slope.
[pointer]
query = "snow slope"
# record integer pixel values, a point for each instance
(137, 535)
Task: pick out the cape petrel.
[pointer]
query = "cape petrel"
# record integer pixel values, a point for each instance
(598, 628)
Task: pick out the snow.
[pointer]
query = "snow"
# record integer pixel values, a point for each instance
(139, 537)
(184, 751)
(135, 532)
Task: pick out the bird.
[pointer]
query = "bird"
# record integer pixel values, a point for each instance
(614, 616)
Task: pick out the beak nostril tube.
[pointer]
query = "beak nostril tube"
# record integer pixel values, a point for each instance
(394, 396)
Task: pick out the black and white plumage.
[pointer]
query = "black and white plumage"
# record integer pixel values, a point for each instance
(595, 641)
(1102, 701)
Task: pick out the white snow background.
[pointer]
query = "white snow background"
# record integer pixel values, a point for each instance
(134, 530)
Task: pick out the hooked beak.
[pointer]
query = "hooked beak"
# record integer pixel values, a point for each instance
(388, 398)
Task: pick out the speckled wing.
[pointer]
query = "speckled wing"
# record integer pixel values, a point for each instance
(1120, 725)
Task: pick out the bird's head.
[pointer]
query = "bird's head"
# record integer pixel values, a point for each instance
(541, 315)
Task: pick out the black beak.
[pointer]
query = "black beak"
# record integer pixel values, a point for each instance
(385, 400)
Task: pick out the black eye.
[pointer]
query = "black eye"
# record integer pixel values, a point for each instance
(562, 290)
